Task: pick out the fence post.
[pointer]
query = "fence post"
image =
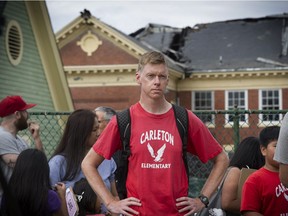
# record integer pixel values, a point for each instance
(236, 128)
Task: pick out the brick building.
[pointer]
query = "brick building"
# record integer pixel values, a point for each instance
(212, 66)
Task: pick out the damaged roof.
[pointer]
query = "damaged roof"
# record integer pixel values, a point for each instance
(243, 44)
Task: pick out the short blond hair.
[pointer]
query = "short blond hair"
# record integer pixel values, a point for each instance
(152, 57)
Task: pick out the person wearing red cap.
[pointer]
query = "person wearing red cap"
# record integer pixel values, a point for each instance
(13, 111)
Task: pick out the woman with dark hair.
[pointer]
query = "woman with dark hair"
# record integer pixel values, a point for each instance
(247, 155)
(79, 135)
(30, 186)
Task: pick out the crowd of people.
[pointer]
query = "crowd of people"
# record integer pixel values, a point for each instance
(83, 161)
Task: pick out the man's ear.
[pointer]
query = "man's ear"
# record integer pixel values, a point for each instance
(138, 77)
(17, 114)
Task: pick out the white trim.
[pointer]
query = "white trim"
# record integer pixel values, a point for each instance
(14, 24)
(260, 106)
(242, 123)
(208, 124)
(90, 69)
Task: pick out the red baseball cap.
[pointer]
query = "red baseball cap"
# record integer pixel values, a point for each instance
(11, 104)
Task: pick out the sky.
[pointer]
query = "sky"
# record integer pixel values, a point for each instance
(131, 15)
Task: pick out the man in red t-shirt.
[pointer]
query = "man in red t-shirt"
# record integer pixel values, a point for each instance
(157, 182)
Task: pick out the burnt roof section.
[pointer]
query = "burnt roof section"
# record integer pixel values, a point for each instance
(170, 62)
(243, 44)
(160, 42)
(160, 36)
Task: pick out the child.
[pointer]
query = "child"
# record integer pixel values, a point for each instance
(263, 193)
(88, 203)
(30, 186)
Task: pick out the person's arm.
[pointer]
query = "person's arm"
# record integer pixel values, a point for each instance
(114, 189)
(283, 174)
(10, 159)
(9, 151)
(219, 168)
(34, 129)
(61, 191)
(230, 200)
(193, 205)
(89, 167)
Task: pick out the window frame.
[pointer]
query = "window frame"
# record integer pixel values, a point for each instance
(231, 123)
(280, 99)
(212, 108)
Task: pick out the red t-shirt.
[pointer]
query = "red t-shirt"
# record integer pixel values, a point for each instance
(157, 174)
(263, 193)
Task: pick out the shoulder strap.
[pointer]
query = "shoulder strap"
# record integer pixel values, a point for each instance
(181, 116)
(124, 126)
(223, 179)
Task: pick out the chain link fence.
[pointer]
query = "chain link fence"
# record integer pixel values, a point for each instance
(228, 127)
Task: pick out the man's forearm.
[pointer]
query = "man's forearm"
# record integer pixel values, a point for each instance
(98, 185)
(91, 173)
(38, 144)
(220, 166)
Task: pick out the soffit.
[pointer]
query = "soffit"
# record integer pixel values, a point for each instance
(235, 80)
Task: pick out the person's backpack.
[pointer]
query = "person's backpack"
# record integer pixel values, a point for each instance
(121, 156)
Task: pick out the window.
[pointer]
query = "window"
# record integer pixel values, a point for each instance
(236, 99)
(270, 100)
(204, 101)
(14, 42)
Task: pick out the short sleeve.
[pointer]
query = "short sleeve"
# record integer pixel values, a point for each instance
(281, 153)
(54, 202)
(11, 145)
(250, 195)
(109, 140)
(200, 140)
(57, 169)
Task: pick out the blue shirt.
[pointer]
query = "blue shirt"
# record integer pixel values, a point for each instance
(58, 165)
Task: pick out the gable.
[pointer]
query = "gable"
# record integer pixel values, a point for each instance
(90, 47)
(37, 74)
(95, 54)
